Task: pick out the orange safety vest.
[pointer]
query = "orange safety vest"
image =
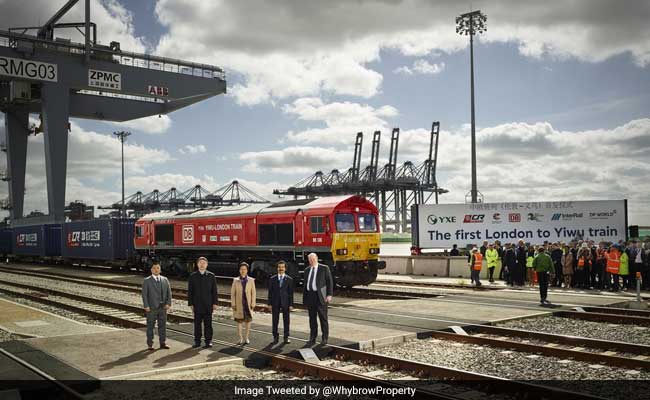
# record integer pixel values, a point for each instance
(478, 260)
(613, 261)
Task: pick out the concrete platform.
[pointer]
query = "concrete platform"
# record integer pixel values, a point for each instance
(29, 321)
(122, 354)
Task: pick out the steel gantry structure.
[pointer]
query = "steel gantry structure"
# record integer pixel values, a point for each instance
(59, 79)
(139, 203)
(393, 188)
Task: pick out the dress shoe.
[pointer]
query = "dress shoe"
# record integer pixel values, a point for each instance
(207, 345)
(275, 340)
(196, 345)
(286, 340)
(150, 348)
(324, 342)
(164, 346)
(311, 342)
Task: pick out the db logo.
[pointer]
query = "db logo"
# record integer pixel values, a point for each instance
(188, 233)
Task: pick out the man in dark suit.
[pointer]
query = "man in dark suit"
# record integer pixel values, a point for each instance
(280, 301)
(202, 297)
(157, 300)
(317, 294)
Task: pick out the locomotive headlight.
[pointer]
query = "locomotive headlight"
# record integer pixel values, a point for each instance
(374, 250)
(341, 252)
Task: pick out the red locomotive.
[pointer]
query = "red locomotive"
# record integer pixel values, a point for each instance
(343, 231)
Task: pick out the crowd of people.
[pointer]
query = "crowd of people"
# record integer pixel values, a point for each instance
(578, 264)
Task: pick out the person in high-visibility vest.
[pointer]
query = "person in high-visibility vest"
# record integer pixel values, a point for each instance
(476, 263)
(613, 257)
(624, 270)
(492, 258)
(530, 271)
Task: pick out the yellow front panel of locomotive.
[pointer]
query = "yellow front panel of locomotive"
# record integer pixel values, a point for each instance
(355, 246)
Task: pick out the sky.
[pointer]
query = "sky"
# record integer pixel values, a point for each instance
(562, 96)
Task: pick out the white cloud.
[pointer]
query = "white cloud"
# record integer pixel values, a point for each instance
(153, 124)
(295, 49)
(192, 149)
(421, 66)
(342, 120)
(292, 160)
(166, 181)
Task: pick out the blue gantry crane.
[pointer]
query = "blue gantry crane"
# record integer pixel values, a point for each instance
(58, 79)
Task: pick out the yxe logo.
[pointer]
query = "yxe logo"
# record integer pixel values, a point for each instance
(434, 219)
(473, 218)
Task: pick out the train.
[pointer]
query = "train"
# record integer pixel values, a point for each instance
(342, 230)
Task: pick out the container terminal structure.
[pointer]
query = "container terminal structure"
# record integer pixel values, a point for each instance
(58, 79)
(393, 188)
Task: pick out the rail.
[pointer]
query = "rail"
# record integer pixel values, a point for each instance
(28, 43)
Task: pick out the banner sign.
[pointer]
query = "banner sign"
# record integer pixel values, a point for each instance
(443, 225)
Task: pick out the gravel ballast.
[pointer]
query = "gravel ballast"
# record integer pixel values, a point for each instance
(519, 365)
(588, 329)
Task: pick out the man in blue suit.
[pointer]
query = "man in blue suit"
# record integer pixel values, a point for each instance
(280, 301)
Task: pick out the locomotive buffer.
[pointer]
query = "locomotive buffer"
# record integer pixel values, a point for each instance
(60, 79)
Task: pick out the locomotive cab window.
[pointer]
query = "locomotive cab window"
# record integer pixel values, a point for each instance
(316, 225)
(344, 223)
(367, 223)
(164, 234)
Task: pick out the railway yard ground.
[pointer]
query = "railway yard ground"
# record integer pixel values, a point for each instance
(84, 329)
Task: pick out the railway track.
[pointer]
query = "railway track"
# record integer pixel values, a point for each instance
(132, 317)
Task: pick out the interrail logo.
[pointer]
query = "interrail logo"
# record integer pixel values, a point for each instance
(188, 233)
(514, 217)
(473, 218)
(566, 217)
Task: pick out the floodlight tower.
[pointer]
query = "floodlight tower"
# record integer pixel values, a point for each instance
(122, 135)
(469, 24)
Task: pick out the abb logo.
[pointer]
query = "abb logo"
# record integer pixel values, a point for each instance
(188, 233)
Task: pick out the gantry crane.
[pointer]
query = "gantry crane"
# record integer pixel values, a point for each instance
(60, 79)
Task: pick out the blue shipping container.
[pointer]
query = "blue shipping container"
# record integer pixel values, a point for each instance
(99, 239)
(6, 239)
(37, 240)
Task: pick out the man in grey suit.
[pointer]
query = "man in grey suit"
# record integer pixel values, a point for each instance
(318, 287)
(157, 300)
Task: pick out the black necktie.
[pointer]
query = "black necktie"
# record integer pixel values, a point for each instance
(313, 278)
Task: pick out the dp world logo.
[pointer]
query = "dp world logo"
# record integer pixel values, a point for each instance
(434, 219)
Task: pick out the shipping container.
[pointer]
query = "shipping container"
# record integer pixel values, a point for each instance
(6, 239)
(37, 240)
(104, 240)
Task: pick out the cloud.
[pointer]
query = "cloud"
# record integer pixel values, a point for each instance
(287, 49)
(154, 124)
(292, 160)
(421, 67)
(342, 120)
(192, 149)
(166, 181)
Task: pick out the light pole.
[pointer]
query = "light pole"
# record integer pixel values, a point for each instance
(469, 24)
(122, 135)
